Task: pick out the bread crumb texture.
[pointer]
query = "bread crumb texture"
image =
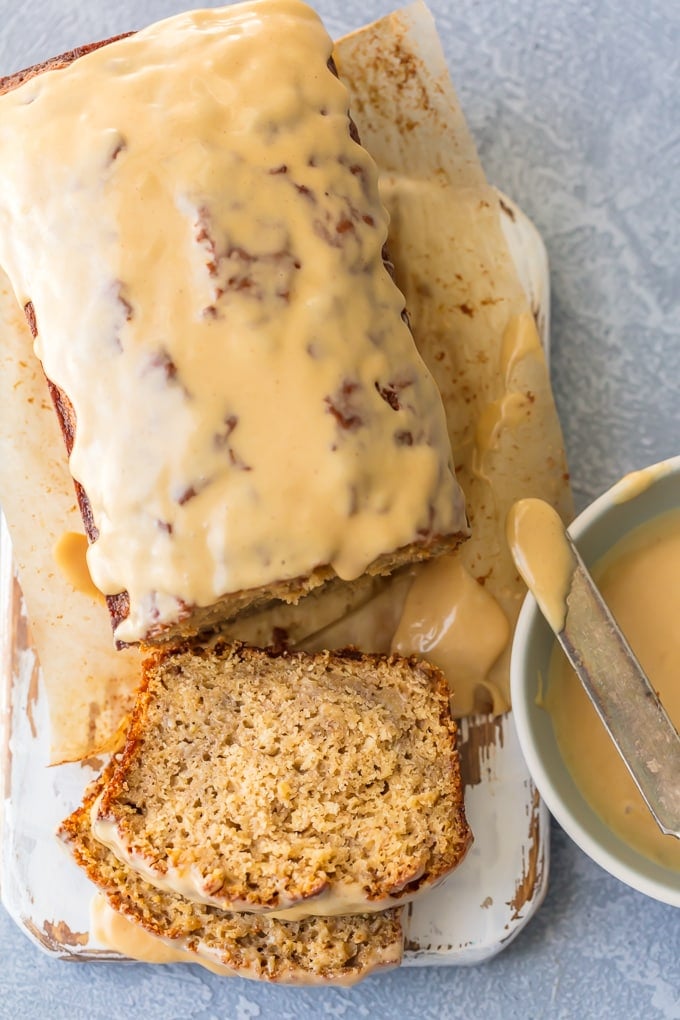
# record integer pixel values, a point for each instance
(272, 778)
(315, 950)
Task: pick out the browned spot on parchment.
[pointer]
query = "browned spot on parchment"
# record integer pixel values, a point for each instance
(106, 726)
(92, 716)
(476, 737)
(533, 864)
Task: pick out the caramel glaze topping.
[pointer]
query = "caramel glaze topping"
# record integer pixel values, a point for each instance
(199, 238)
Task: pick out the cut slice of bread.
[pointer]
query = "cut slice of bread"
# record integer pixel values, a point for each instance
(317, 950)
(288, 782)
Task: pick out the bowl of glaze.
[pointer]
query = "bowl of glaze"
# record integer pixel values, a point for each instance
(637, 500)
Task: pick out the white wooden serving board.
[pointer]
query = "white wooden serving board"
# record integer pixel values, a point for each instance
(470, 917)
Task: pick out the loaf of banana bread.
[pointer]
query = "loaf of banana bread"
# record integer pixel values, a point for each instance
(245, 411)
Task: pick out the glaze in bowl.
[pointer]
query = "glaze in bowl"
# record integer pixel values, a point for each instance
(635, 500)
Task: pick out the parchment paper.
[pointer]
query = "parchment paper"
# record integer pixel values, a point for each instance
(88, 683)
(465, 301)
(469, 313)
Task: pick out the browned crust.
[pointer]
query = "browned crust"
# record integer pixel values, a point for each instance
(291, 590)
(156, 655)
(193, 620)
(67, 422)
(13, 81)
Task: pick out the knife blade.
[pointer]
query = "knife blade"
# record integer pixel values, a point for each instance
(599, 653)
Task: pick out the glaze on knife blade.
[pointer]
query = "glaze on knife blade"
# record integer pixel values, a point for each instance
(627, 704)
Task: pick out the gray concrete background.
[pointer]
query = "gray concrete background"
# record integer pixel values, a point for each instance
(576, 110)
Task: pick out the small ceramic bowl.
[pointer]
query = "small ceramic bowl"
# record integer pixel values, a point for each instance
(633, 501)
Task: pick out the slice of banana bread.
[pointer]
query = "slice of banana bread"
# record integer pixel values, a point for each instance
(317, 950)
(289, 782)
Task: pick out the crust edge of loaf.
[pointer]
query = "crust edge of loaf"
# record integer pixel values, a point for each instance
(192, 620)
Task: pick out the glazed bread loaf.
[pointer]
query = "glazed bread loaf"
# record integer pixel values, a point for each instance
(287, 782)
(316, 950)
(245, 411)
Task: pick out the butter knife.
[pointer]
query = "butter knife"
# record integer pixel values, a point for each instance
(626, 702)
